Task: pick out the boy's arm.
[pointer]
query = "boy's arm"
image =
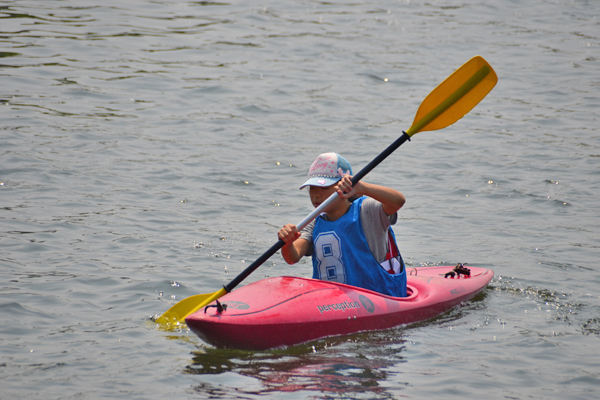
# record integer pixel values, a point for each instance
(294, 249)
(391, 199)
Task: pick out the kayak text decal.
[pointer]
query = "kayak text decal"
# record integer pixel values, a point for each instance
(458, 290)
(338, 306)
(238, 305)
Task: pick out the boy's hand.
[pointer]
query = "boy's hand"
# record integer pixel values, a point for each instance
(345, 189)
(289, 233)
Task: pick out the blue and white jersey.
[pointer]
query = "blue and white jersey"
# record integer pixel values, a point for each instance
(341, 254)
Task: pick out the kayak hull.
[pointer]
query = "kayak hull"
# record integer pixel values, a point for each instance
(285, 311)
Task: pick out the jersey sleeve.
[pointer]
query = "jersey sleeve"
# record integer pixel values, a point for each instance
(375, 223)
(307, 234)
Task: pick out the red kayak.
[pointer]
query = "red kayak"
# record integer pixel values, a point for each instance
(285, 311)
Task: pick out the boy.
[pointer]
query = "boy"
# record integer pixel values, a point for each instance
(352, 242)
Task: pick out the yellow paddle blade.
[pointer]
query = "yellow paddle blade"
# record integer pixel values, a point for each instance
(455, 96)
(176, 314)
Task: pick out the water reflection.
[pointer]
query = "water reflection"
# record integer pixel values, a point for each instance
(369, 364)
(350, 364)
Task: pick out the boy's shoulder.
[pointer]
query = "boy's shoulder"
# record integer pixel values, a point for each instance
(372, 210)
(370, 204)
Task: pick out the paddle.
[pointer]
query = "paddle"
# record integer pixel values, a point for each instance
(446, 104)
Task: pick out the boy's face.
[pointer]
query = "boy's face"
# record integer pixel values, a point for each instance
(319, 194)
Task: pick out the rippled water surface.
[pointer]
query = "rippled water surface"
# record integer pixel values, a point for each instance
(149, 150)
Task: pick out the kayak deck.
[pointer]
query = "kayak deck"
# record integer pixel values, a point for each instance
(285, 310)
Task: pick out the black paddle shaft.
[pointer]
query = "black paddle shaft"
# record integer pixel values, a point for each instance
(384, 154)
(277, 246)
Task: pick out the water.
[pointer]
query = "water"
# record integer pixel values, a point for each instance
(149, 150)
